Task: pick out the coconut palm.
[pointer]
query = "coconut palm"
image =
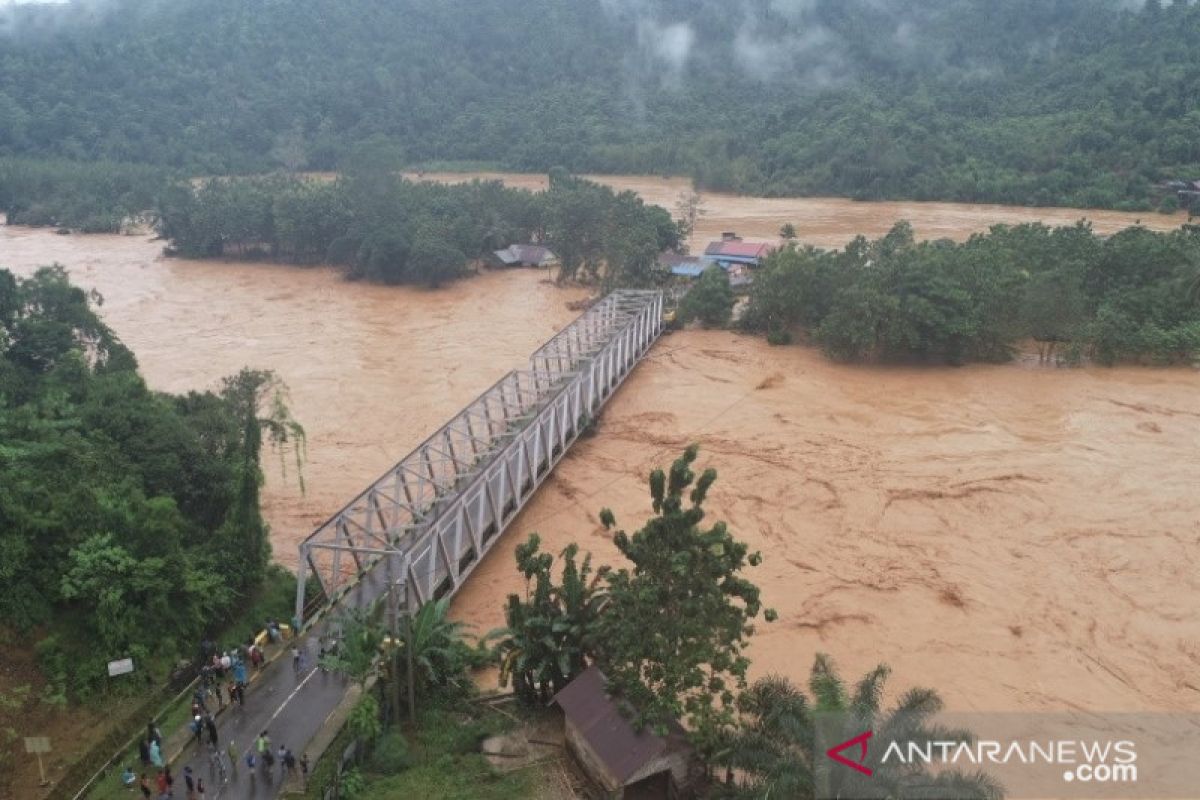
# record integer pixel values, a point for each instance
(780, 749)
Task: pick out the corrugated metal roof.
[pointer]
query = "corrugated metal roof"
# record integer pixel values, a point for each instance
(670, 259)
(738, 249)
(524, 254)
(692, 270)
(608, 733)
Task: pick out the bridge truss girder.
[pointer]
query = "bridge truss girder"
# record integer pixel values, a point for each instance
(418, 531)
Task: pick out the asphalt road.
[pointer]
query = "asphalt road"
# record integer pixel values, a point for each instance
(291, 705)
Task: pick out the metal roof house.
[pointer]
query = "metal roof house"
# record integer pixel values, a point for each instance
(730, 251)
(683, 266)
(525, 255)
(611, 752)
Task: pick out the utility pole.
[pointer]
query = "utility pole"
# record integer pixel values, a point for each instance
(394, 632)
(408, 648)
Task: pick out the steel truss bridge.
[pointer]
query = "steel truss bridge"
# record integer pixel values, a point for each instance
(417, 532)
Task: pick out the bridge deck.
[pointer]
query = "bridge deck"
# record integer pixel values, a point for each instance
(423, 525)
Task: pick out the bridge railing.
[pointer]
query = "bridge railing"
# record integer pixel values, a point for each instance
(430, 518)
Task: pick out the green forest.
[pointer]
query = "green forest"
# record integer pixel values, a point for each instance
(383, 228)
(129, 519)
(1132, 296)
(1087, 103)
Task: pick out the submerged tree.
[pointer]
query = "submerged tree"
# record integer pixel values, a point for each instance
(673, 634)
(710, 301)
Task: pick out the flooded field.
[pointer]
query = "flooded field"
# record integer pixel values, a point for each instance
(1018, 538)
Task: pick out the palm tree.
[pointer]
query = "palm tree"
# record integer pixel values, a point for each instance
(440, 655)
(780, 749)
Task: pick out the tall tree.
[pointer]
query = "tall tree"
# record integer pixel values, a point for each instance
(673, 634)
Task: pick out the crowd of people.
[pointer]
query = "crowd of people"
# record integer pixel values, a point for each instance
(223, 678)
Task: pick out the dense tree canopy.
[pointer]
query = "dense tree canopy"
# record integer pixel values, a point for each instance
(1129, 296)
(1072, 102)
(390, 230)
(129, 522)
(675, 625)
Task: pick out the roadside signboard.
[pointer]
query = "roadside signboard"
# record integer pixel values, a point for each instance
(122, 667)
(37, 744)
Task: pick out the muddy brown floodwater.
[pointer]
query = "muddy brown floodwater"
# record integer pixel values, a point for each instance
(1018, 538)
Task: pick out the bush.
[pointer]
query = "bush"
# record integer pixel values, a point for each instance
(392, 754)
(779, 336)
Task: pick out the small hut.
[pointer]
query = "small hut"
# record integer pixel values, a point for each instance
(624, 762)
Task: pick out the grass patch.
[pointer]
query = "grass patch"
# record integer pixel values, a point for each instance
(452, 778)
(440, 760)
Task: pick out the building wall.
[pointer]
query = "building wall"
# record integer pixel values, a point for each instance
(676, 762)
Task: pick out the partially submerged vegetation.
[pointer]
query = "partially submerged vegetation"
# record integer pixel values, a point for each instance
(1131, 296)
(382, 227)
(96, 197)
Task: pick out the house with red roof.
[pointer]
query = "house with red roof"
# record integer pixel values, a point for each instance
(732, 250)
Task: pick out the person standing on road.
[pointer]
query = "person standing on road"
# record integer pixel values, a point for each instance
(211, 726)
(263, 745)
(153, 734)
(200, 789)
(144, 785)
(190, 782)
(156, 755)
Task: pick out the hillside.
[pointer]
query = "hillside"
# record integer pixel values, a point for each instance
(1066, 102)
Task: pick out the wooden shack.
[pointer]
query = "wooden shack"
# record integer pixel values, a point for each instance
(625, 763)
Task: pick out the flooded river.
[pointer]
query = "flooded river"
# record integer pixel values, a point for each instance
(832, 221)
(1016, 537)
